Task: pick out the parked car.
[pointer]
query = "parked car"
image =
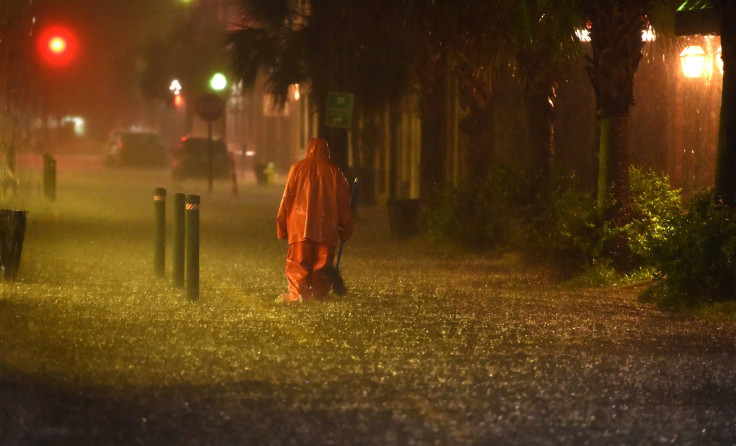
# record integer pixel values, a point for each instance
(135, 149)
(190, 158)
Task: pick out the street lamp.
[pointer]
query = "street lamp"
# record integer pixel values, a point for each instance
(693, 61)
(296, 94)
(175, 89)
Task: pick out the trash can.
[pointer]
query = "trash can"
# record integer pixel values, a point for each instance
(12, 232)
(403, 216)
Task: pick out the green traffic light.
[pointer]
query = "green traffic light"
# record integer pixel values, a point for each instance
(218, 82)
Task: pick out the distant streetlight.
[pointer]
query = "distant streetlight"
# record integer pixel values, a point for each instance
(175, 89)
(693, 61)
(296, 93)
(218, 82)
(175, 86)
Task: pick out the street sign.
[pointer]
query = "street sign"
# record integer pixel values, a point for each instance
(339, 110)
(210, 107)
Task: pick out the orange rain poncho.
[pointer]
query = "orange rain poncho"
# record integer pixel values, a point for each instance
(314, 214)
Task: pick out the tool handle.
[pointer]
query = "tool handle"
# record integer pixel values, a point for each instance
(352, 194)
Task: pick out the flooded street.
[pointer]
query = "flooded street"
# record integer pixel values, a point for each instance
(431, 345)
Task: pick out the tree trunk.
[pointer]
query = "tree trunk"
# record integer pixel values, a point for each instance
(433, 138)
(540, 118)
(725, 181)
(613, 166)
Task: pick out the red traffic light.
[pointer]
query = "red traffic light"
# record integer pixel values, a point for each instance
(57, 45)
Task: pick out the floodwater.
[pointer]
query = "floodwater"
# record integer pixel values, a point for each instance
(431, 345)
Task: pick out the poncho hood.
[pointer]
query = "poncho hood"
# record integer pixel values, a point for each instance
(318, 147)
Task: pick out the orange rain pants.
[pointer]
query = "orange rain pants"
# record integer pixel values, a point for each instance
(303, 263)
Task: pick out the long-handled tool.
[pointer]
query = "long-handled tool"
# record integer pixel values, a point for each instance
(333, 272)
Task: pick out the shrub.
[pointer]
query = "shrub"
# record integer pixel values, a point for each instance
(654, 209)
(696, 260)
(564, 233)
(479, 215)
(456, 214)
(559, 225)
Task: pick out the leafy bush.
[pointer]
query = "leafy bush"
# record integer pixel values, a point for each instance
(480, 215)
(564, 233)
(696, 259)
(558, 226)
(455, 214)
(569, 230)
(654, 209)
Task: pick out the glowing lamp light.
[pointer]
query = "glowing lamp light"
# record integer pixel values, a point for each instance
(175, 86)
(648, 35)
(178, 100)
(693, 61)
(583, 34)
(218, 82)
(297, 94)
(719, 58)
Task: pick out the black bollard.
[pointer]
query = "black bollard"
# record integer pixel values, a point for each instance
(159, 230)
(49, 177)
(192, 246)
(178, 254)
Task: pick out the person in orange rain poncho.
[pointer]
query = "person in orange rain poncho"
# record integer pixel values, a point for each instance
(314, 214)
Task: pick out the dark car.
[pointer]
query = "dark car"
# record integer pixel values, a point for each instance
(136, 149)
(190, 158)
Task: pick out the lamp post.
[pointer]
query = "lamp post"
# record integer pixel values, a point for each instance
(219, 84)
(211, 107)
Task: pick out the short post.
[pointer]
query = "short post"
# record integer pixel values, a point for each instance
(49, 176)
(159, 231)
(178, 254)
(192, 246)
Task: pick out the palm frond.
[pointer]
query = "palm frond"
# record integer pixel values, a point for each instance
(266, 12)
(250, 50)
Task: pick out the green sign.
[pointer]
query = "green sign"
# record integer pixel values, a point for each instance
(339, 110)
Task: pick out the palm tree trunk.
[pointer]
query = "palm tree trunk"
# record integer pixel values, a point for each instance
(604, 162)
(433, 115)
(540, 118)
(613, 166)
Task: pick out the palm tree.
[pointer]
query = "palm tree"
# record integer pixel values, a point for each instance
(457, 54)
(542, 45)
(474, 43)
(336, 45)
(615, 37)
